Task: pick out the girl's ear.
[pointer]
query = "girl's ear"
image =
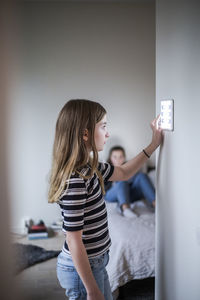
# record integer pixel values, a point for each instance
(85, 135)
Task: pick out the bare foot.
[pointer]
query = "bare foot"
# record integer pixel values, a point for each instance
(124, 206)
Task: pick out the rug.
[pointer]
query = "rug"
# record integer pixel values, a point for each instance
(29, 255)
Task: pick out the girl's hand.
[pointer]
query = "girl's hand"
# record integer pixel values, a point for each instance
(157, 136)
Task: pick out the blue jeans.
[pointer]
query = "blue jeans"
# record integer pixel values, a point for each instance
(136, 188)
(70, 280)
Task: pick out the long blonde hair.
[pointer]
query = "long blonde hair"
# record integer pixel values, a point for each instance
(70, 153)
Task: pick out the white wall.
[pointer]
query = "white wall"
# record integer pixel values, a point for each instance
(103, 52)
(178, 202)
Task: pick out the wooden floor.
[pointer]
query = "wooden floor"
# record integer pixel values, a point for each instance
(39, 282)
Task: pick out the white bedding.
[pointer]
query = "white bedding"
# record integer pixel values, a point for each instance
(132, 253)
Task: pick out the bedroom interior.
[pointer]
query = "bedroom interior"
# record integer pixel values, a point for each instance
(98, 50)
(39, 85)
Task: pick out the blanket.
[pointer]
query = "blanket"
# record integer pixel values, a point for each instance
(132, 253)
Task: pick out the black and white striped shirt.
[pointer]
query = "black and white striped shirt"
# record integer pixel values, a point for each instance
(83, 208)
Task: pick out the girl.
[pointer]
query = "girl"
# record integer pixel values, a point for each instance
(125, 192)
(77, 185)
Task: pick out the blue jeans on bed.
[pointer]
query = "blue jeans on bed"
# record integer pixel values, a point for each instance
(136, 188)
(70, 280)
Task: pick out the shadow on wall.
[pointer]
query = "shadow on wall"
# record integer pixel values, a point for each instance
(7, 286)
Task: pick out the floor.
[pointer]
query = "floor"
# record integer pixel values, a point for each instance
(138, 290)
(39, 282)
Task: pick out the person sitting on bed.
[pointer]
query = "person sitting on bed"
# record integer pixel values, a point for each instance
(126, 192)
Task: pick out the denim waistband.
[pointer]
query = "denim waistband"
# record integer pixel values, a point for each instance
(66, 259)
(99, 258)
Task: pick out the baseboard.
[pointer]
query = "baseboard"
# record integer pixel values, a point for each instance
(18, 230)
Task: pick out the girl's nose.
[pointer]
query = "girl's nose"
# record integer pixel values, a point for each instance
(107, 134)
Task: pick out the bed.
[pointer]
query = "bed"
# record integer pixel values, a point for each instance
(132, 253)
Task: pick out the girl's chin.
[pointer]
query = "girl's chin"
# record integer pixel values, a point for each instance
(100, 149)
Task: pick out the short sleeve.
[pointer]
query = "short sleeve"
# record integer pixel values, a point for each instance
(72, 204)
(106, 170)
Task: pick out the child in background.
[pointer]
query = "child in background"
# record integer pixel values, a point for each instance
(77, 185)
(124, 193)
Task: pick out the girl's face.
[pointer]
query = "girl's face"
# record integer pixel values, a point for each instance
(101, 134)
(117, 157)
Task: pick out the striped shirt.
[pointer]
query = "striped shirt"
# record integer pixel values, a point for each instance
(83, 208)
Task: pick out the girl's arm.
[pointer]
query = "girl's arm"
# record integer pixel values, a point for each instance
(132, 166)
(82, 265)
